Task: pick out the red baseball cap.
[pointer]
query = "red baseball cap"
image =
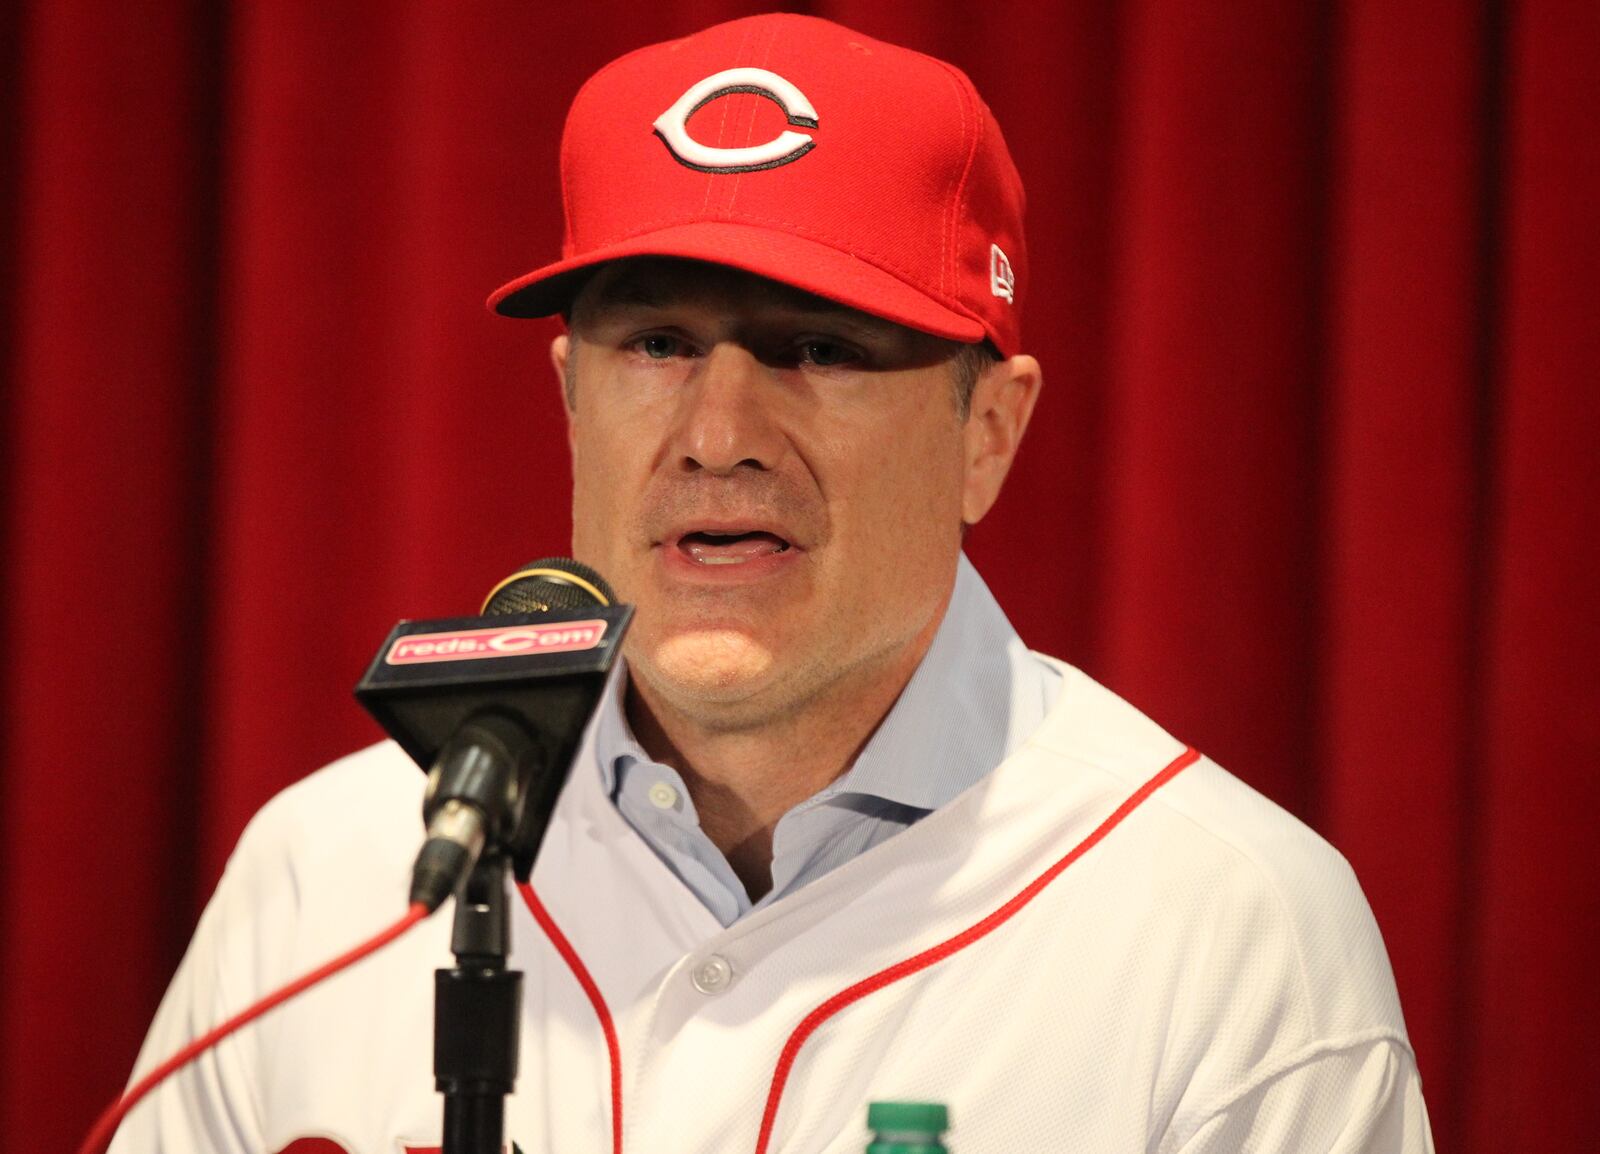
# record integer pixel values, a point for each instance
(798, 150)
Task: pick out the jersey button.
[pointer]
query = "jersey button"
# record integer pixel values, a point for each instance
(662, 795)
(713, 975)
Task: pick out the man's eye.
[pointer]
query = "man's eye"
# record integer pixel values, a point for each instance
(660, 346)
(826, 353)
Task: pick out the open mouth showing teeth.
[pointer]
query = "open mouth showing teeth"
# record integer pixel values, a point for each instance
(730, 548)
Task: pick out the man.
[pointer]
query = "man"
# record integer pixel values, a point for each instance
(835, 836)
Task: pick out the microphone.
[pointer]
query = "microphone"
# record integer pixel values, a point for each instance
(492, 708)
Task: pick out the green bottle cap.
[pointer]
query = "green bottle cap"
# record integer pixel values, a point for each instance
(929, 1119)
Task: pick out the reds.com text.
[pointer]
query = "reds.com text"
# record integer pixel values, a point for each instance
(506, 641)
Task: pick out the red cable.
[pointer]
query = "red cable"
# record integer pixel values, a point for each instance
(100, 1136)
(601, 1010)
(809, 1024)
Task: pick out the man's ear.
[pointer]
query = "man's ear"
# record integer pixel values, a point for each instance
(560, 351)
(1002, 405)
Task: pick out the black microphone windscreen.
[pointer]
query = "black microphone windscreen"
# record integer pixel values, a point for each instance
(546, 584)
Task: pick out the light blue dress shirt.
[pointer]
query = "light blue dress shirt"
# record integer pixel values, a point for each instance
(976, 696)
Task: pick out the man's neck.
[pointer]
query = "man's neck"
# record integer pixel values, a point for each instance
(744, 779)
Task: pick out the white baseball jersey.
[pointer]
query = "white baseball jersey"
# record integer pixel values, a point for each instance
(1107, 944)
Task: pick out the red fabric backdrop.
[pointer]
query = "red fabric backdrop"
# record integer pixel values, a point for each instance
(1312, 481)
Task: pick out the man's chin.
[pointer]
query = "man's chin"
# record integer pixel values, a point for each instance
(711, 665)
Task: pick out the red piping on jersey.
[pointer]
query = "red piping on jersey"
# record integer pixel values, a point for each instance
(852, 994)
(581, 972)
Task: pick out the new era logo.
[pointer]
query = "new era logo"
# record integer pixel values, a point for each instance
(1002, 281)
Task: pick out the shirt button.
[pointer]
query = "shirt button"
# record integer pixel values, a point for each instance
(662, 795)
(713, 975)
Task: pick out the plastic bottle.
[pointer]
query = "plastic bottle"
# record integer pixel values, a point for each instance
(907, 1127)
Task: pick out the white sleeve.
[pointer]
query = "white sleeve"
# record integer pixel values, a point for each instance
(1362, 1098)
(213, 1104)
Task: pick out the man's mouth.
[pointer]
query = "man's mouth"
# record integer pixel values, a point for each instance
(708, 548)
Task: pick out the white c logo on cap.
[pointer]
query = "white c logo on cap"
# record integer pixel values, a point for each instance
(673, 124)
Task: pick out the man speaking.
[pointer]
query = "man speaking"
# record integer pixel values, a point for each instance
(835, 835)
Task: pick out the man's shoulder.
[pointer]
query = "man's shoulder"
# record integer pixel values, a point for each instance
(365, 807)
(1203, 806)
(1284, 885)
(1227, 870)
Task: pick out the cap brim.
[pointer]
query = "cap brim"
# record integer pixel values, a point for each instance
(795, 261)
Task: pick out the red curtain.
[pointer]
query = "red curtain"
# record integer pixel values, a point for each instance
(1312, 482)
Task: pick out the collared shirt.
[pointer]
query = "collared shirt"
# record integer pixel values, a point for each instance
(976, 696)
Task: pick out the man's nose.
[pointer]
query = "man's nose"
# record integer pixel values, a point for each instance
(725, 418)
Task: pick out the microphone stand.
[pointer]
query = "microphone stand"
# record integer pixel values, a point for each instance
(477, 1015)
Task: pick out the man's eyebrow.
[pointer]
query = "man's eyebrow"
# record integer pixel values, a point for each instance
(821, 307)
(632, 292)
(625, 291)
(838, 316)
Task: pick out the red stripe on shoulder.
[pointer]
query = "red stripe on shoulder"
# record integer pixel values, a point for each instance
(918, 962)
